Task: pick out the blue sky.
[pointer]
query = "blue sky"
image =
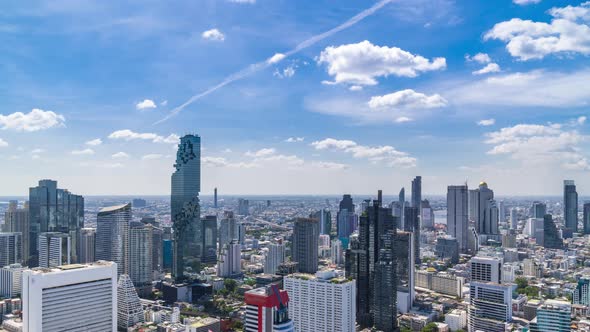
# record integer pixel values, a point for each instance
(451, 90)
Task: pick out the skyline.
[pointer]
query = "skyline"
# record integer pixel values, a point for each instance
(390, 97)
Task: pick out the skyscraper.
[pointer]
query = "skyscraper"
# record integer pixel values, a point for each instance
(324, 217)
(538, 209)
(417, 192)
(551, 237)
(267, 310)
(486, 269)
(490, 307)
(87, 245)
(345, 219)
(243, 207)
(215, 197)
(457, 222)
(53, 210)
(513, 218)
(140, 257)
(209, 238)
(129, 309)
(426, 215)
(11, 280)
(55, 249)
(384, 295)
(554, 316)
(10, 248)
(229, 264)
(16, 220)
(586, 218)
(486, 214)
(112, 236)
(403, 248)
(582, 292)
(412, 224)
(304, 249)
(228, 229)
(185, 205)
(274, 257)
(570, 205)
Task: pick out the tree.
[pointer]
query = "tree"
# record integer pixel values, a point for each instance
(521, 282)
(405, 329)
(430, 327)
(230, 284)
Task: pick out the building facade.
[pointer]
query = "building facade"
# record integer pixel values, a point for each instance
(112, 236)
(457, 215)
(304, 249)
(570, 205)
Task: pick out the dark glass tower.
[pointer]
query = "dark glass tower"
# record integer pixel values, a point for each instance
(570, 205)
(304, 250)
(551, 238)
(417, 192)
(345, 219)
(209, 237)
(384, 304)
(587, 218)
(412, 224)
(184, 203)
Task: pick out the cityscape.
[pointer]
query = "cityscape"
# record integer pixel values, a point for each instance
(175, 188)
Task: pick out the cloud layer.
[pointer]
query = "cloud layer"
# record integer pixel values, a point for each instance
(35, 120)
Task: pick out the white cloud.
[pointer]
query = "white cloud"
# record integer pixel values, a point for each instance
(566, 33)
(164, 103)
(540, 144)
(84, 152)
(581, 120)
(385, 153)
(277, 57)
(261, 153)
(329, 165)
(145, 104)
(213, 34)
(486, 122)
(489, 68)
(355, 88)
(152, 156)
(222, 162)
(129, 135)
(295, 139)
(3, 143)
(35, 120)
(287, 72)
(120, 155)
(363, 63)
(482, 58)
(37, 151)
(94, 142)
(525, 2)
(402, 119)
(406, 99)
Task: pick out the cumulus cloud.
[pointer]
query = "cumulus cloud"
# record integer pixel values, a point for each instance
(402, 119)
(386, 154)
(568, 32)
(84, 152)
(329, 165)
(152, 156)
(406, 99)
(525, 2)
(3, 143)
(362, 63)
(534, 144)
(489, 68)
(287, 72)
(355, 88)
(581, 120)
(277, 57)
(261, 153)
(145, 104)
(94, 142)
(482, 58)
(129, 135)
(120, 155)
(35, 120)
(486, 122)
(222, 162)
(295, 139)
(213, 34)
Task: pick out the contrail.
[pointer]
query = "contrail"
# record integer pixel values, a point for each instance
(253, 68)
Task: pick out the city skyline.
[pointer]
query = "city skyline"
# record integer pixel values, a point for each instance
(302, 122)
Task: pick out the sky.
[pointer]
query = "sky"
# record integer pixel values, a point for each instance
(295, 97)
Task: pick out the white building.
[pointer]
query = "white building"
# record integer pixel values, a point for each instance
(11, 248)
(486, 269)
(112, 236)
(129, 309)
(140, 257)
(11, 280)
(490, 307)
(70, 298)
(321, 302)
(336, 252)
(274, 257)
(324, 240)
(54, 249)
(456, 319)
(230, 259)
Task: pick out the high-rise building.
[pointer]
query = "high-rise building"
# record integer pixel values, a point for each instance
(324, 217)
(586, 217)
(229, 264)
(185, 205)
(551, 237)
(157, 236)
(167, 254)
(209, 238)
(486, 210)
(403, 248)
(53, 210)
(486, 269)
(513, 218)
(337, 252)
(447, 248)
(274, 257)
(322, 302)
(55, 249)
(490, 307)
(87, 245)
(129, 309)
(473, 201)
(570, 205)
(243, 207)
(138, 203)
(11, 280)
(554, 316)
(582, 292)
(412, 224)
(346, 223)
(457, 215)
(228, 229)
(267, 310)
(70, 298)
(417, 192)
(112, 236)
(16, 220)
(10, 248)
(384, 304)
(426, 215)
(538, 209)
(215, 197)
(304, 248)
(140, 257)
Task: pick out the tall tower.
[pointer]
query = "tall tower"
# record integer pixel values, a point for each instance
(185, 205)
(586, 218)
(87, 245)
(140, 257)
(417, 192)
(112, 236)
(129, 310)
(54, 249)
(457, 213)
(215, 197)
(345, 219)
(16, 220)
(570, 205)
(306, 234)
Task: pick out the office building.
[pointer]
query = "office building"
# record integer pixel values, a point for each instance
(140, 257)
(11, 280)
(129, 309)
(202, 324)
(321, 302)
(412, 224)
(228, 229)
(70, 298)
(267, 310)
(346, 221)
(304, 249)
(447, 248)
(486, 269)
(582, 292)
(456, 319)
(87, 245)
(486, 214)
(551, 237)
(442, 283)
(230, 263)
(274, 257)
(417, 192)
(209, 238)
(55, 249)
(337, 252)
(570, 205)
(404, 264)
(112, 236)
(513, 219)
(185, 205)
(10, 248)
(324, 217)
(427, 215)
(384, 304)
(586, 216)
(53, 210)
(167, 254)
(490, 307)
(16, 220)
(243, 207)
(538, 209)
(157, 236)
(554, 316)
(215, 197)
(457, 215)
(139, 203)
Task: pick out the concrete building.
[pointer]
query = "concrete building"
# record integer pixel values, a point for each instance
(11, 280)
(55, 249)
(16, 220)
(305, 244)
(456, 319)
(267, 310)
(70, 298)
(486, 269)
(202, 324)
(129, 309)
(582, 292)
(229, 264)
(554, 316)
(112, 236)
(404, 250)
(140, 257)
(457, 215)
(490, 307)
(11, 248)
(87, 245)
(274, 257)
(570, 205)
